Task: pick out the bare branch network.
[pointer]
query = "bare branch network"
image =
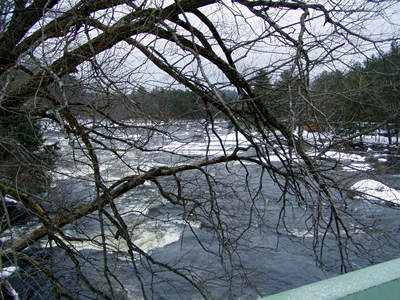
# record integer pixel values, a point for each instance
(161, 147)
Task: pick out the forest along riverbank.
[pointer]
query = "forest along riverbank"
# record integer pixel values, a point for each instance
(158, 227)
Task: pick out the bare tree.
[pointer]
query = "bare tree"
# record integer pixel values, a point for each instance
(127, 184)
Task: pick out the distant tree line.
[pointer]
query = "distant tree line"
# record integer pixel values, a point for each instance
(368, 92)
(154, 104)
(160, 103)
(365, 94)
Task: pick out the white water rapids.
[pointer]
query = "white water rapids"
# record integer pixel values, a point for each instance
(160, 229)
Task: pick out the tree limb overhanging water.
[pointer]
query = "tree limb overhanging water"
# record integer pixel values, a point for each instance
(129, 128)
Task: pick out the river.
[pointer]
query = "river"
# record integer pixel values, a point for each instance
(251, 257)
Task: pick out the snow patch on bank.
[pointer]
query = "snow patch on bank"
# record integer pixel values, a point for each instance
(344, 156)
(375, 190)
(351, 162)
(7, 272)
(10, 200)
(7, 290)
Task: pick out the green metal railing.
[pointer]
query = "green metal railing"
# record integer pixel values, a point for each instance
(380, 281)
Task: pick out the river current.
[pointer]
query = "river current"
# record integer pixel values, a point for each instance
(258, 258)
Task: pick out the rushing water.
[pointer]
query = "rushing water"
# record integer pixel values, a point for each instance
(260, 263)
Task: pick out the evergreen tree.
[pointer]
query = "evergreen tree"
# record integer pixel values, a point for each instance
(366, 94)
